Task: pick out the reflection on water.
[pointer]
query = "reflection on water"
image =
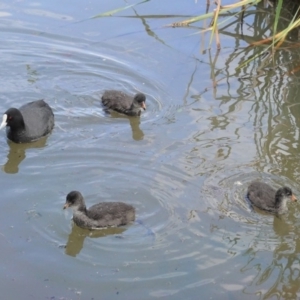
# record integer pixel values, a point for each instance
(274, 265)
(77, 236)
(281, 226)
(17, 153)
(137, 133)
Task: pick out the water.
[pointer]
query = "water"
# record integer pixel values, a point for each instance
(185, 164)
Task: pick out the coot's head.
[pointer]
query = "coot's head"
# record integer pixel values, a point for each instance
(283, 194)
(13, 118)
(75, 200)
(139, 101)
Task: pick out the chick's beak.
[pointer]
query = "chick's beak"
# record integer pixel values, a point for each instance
(143, 105)
(66, 206)
(293, 198)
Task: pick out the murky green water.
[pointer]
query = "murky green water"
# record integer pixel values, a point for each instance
(185, 164)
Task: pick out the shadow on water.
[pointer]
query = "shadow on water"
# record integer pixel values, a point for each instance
(17, 153)
(77, 236)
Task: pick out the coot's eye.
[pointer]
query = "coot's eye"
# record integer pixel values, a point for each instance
(9, 117)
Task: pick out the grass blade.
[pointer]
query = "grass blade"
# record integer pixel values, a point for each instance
(114, 11)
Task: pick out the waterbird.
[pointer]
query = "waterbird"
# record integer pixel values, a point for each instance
(101, 215)
(123, 103)
(29, 123)
(266, 198)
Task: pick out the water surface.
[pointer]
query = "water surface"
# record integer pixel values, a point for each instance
(209, 130)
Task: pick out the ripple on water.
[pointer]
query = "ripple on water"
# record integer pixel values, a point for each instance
(98, 155)
(226, 193)
(149, 189)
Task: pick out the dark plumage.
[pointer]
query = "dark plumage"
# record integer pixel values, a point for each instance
(105, 214)
(28, 123)
(266, 198)
(124, 104)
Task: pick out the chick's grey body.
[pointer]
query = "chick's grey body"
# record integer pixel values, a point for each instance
(30, 122)
(266, 198)
(101, 215)
(123, 103)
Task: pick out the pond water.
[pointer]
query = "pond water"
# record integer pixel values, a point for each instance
(210, 128)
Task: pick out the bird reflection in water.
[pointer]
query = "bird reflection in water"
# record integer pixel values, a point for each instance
(17, 153)
(137, 133)
(78, 235)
